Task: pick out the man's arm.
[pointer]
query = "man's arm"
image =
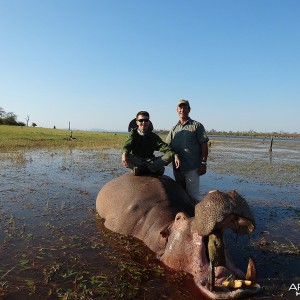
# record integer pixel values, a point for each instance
(204, 154)
(127, 148)
(162, 146)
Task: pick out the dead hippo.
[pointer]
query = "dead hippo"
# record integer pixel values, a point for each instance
(158, 211)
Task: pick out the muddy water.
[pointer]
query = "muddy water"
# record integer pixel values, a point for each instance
(53, 245)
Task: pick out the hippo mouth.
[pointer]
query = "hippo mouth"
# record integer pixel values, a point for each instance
(223, 280)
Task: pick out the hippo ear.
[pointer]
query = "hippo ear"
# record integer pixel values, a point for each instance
(180, 217)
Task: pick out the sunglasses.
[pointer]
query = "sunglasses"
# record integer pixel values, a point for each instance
(143, 120)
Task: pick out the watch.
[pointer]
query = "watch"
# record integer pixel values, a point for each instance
(204, 163)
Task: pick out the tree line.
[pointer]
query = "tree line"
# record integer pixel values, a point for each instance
(250, 133)
(10, 118)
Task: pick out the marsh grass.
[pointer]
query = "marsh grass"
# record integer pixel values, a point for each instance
(13, 138)
(18, 157)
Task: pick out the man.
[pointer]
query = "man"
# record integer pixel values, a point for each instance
(188, 139)
(139, 147)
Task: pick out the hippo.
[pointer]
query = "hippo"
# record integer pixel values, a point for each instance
(184, 236)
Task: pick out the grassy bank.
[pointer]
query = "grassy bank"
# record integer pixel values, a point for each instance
(17, 137)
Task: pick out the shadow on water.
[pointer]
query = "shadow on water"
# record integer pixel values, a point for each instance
(52, 247)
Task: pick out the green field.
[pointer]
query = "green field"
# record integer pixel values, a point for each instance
(17, 137)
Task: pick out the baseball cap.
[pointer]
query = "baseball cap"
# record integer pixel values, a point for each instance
(185, 102)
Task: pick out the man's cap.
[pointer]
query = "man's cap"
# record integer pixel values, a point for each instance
(185, 102)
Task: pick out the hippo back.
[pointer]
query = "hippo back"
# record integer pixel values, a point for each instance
(142, 206)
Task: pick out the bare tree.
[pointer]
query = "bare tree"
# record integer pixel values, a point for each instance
(27, 120)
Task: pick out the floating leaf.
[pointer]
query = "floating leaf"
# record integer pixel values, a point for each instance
(24, 262)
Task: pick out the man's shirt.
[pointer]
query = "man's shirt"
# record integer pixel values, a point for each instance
(186, 141)
(144, 145)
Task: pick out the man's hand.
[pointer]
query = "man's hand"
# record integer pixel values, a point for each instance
(202, 169)
(176, 161)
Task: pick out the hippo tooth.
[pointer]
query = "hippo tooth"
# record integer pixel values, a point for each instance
(251, 271)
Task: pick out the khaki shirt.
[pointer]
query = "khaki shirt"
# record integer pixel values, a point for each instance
(186, 141)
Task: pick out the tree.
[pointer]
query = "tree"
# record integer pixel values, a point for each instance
(10, 119)
(2, 112)
(33, 125)
(27, 120)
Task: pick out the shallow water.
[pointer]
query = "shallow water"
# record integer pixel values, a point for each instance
(53, 245)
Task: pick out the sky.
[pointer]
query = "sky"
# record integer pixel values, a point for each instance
(96, 63)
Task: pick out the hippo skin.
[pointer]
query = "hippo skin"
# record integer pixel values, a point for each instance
(156, 210)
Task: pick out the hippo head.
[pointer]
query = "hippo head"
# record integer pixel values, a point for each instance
(196, 245)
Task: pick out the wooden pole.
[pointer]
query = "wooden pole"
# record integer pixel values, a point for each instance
(270, 149)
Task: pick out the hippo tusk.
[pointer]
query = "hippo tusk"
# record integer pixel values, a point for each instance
(251, 271)
(211, 277)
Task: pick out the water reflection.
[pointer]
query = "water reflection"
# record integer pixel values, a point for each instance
(49, 237)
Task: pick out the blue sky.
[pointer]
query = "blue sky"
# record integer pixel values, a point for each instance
(96, 63)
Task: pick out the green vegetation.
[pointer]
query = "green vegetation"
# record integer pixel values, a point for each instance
(18, 137)
(22, 137)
